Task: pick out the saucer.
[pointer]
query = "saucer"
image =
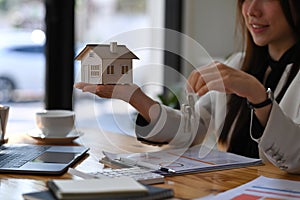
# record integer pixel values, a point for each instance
(38, 135)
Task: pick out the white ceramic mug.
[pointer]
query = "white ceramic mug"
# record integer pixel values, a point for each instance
(55, 123)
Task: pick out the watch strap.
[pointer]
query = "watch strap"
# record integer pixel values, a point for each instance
(268, 101)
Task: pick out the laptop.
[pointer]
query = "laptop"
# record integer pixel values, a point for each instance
(39, 159)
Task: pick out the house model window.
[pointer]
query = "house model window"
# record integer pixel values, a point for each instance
(106, 64)
(125, 69)
(110, 69)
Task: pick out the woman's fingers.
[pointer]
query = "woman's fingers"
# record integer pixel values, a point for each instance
(100, 90)
(200, 78)
(80, 85)
(123, 92)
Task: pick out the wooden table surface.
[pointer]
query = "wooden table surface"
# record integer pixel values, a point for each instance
(12, 186)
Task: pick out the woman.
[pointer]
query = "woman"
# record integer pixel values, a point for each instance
(255, 123)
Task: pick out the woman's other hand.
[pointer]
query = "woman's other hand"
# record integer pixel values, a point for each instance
(220, 77)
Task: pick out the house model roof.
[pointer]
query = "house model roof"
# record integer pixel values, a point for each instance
(108, 51)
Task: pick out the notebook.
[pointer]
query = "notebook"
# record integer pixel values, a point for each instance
(108, 188)
(154, 193)
(38, 159)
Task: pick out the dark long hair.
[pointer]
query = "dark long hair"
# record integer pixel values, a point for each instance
(255, 63)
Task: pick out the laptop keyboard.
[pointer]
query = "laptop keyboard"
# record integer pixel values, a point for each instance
(16, 156)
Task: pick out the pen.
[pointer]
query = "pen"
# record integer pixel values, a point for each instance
(164, 169)
(129, 161)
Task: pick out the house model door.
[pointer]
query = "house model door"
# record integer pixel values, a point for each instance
(91, 69)
(85, 73)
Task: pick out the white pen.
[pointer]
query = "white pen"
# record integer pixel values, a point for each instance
(145, 164)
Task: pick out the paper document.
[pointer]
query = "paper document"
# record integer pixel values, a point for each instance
(263, 188)
(180, 161)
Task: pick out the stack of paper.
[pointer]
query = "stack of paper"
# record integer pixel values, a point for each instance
(178, 161)
(262, 188)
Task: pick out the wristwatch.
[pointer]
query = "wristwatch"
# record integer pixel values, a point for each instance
(268, 101)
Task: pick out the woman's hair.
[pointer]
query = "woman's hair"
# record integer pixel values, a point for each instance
(255, 63)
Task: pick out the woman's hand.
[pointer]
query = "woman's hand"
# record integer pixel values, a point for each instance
(123, 92)
(129, 93)
(222, 78)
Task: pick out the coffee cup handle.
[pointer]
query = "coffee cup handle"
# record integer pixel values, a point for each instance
(2, 139)
(1, 132)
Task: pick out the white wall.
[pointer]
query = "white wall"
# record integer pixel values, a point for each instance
(211, 23)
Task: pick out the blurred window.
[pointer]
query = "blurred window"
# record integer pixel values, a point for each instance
(28, 49)
(22, 66)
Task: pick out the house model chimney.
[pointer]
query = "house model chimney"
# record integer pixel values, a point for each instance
(113, 47)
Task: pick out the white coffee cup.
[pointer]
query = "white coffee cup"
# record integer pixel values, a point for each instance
(55, 123)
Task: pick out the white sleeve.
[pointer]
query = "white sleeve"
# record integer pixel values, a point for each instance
(210, 111)
(280, 142)
(171, 123)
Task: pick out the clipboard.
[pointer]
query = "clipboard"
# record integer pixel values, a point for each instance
(182, 161)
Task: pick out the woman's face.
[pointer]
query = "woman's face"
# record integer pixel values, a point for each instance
(267, 23)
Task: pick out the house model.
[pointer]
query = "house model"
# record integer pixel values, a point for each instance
(106, 64)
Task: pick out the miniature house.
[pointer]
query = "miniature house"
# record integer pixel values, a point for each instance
(106, 64)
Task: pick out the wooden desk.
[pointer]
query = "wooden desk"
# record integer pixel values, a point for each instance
(186, 186)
